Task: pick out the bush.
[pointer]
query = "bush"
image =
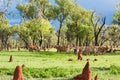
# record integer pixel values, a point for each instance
(43, 72)
(114, 69)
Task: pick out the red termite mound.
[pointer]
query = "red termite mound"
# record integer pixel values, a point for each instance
(88, 59)
(96, 77)
(86, 73)
(11, 58)
(70, 59)
(18, 75)
(80, 54)
(95, 59)
(24, 65)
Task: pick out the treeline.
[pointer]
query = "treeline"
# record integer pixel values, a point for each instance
(77, 26)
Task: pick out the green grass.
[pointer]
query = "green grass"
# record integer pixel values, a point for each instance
(52, 65)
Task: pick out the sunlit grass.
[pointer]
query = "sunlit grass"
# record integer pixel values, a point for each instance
(46, 60)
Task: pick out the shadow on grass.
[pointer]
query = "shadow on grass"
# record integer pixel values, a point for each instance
(100, 68)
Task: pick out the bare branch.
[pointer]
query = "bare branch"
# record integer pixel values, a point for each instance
(103, 23)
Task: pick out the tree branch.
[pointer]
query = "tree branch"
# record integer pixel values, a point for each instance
(103, 23)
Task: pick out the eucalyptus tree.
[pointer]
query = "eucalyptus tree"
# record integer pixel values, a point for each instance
(39, 30)
(34, 9)
(77, 18)
(104, 36)
(85, 35)
(60, 12)
(42, 7)
(114, 35)
(34, 14)
(5, 31)
(116, 17)
(34, 31)
(63, 35)
(115, 28)
(98, 24)
(27, 11)
(23, 33)
(71, 32)
(51, 39)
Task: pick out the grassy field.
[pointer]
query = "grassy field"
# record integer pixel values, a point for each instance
(55, 66)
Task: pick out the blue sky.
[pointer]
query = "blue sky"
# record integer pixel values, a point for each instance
(102, 7)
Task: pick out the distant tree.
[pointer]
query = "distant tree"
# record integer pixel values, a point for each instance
(34, 31)
(98, 24)
(78, 17)
(39, 29)
(114, 35)
(5, 31)
(27, 11)
(43, 7)
(63, 35)
(24, 34)
(70, 34)
(36, 20)
(116, 16)
(85, 35)
(34, 9)
(60, 12)
(104, 36)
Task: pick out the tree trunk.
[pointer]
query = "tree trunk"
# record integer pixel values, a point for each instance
(4, 43)
(40, 41)
(87, 42)
(26, 43)
(77, 40)
(59, 33)
(96, 41)
(34, 40)
(80, 42)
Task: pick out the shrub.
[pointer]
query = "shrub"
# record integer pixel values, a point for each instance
(114, 69)
(43, 72)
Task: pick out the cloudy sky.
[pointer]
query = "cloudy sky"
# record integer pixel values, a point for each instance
(102, 7)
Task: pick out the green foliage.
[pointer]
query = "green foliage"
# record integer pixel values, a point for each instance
(27, 10)
(65, 11)
(77, 21)
(39, 27)
(35, 9)
(48, 72)
(85, 31)
(60, 11)
(116, 16)
(115, 69)
(4, 71)
(113, 33)
(5, 31)
(42, 72)
(34, 30)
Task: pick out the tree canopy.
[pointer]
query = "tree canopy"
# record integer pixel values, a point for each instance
(77, 26)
